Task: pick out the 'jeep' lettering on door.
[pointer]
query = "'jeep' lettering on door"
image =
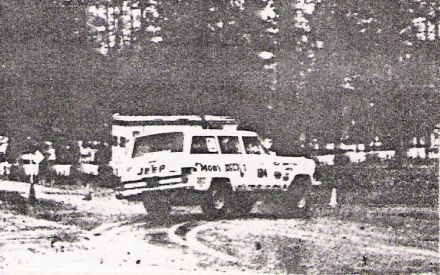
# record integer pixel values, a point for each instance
(151, 170)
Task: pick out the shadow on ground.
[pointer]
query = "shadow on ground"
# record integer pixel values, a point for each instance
(48, 210)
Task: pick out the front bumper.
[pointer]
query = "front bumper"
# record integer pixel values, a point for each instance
(133, 189)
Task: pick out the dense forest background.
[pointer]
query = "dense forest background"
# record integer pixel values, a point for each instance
(324, 69)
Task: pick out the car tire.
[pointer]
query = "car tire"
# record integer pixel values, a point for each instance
(217, 200)
(297, 197)
(241, 206)
(156, 208)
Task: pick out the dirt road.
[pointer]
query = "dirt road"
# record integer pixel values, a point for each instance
(109, 235)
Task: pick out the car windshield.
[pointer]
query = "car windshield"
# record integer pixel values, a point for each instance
(172, 142)
(253, 146)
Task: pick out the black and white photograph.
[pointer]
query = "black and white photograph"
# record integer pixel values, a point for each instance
(219, 136)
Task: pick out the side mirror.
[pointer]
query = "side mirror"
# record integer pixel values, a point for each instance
(267, 143)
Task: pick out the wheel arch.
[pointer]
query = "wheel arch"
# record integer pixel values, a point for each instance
(226, 182)
(300, 177)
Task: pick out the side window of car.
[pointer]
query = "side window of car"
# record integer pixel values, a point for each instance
(229, 145)
(204, 145)
(252, 145)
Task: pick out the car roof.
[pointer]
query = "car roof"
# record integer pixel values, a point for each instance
(202, 132)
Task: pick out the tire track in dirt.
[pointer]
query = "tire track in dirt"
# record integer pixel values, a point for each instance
(183, 234)
(189, 239)
(357, 240)
(323, 239)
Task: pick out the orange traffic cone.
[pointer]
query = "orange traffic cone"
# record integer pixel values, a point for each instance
(333, 200)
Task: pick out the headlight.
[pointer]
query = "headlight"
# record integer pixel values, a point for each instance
(185, 173)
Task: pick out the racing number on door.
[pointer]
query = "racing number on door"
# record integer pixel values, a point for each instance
(262, 173)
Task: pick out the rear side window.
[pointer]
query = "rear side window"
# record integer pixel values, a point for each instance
(172, 142)
(203, 145)
(229, 145)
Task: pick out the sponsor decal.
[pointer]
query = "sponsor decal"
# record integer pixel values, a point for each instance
(235, 167)
(207, 168)
(278, 175)
(229, 167)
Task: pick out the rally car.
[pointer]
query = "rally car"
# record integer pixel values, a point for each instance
(206, 161)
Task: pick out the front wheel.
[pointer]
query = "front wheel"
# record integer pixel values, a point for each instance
(156, 207)
(242, 205)
(297, 196)
(217, 200)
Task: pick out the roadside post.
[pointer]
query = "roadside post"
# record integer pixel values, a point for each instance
(32, 197)
(333, 200)
(88, 194)
(31, 170)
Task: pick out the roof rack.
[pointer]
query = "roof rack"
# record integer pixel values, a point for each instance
(207, 122)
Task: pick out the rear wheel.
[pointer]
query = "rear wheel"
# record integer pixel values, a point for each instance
(242, 205)
(296, 199)
(218, 199)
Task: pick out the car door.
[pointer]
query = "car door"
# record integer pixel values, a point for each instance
(263, 172)
(204, 153)
(234, 164)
